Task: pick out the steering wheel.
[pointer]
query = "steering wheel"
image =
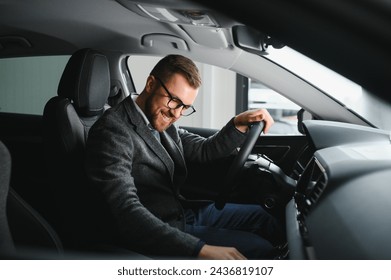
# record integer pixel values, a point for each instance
(238, 163)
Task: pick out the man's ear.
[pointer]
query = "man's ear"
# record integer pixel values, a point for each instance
(150, 84)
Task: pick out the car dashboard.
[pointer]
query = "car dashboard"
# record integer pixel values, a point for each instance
(342, 201)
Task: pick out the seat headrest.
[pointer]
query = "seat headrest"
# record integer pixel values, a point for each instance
(86, 81)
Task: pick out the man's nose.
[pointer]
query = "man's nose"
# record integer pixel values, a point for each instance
(177, 112)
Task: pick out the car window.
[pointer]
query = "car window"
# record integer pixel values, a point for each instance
(27, 83)
(283, 111)
(214, 110)
(349, 93)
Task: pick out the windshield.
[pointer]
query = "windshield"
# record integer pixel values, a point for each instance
(352, 95)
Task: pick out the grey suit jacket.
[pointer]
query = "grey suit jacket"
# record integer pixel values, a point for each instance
(140, 178)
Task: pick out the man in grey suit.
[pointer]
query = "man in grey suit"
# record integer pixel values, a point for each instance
(136, 157)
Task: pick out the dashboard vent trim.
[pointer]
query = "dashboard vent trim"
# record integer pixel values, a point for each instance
(312, 184)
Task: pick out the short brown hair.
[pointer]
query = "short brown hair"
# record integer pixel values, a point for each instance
(177, 64)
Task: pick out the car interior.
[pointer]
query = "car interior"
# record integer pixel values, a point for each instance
(328, 183)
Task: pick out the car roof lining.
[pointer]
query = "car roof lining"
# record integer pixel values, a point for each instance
(104, 32)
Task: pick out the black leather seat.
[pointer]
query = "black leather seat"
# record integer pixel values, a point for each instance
(6, 241)
(24, 233)
(83, 91)
(81, 219)
(33, 236)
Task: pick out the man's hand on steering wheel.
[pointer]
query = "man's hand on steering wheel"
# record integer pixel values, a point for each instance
(253, 122)
(243, 120)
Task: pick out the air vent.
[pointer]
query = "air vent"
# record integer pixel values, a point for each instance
(311, 185)
(316, 185)
(302, 162)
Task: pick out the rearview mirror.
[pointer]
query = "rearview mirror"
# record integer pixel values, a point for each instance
(253, 41)
(301, 116)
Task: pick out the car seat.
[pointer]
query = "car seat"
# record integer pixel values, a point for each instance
(23, 231)
(82, 218)
(6, 241)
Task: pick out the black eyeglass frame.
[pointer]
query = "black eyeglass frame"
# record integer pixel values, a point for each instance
(187, 110)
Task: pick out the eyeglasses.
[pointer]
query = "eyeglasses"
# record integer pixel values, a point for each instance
(175, 103)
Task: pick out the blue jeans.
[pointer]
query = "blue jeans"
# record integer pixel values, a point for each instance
(247, 227)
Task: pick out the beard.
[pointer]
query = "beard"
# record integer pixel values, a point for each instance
(155, 116)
